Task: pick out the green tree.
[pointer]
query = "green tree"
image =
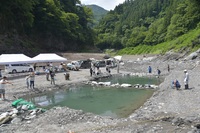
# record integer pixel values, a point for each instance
(137, 36)
(16, 14)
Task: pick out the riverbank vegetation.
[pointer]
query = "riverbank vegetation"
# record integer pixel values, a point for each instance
(188, 42)
(157, 26)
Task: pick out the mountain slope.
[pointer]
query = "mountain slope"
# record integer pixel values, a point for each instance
(36, 26)
(138, 23)
(98, 12)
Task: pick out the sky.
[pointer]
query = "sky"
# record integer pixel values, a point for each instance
(106, 4)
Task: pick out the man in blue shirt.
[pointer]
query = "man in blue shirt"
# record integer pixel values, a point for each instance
(150, 69)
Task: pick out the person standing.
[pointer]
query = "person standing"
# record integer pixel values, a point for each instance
(159, 72)
(108, 68)
(186, 79)
(32, 80)
(52, 75)
(93, 68)
(51, 64)
(27, 81)
(98, 71)
(47, 74)
(3, 82)
(149, 69)
(91, 71)
(168, 68)
(34, 66)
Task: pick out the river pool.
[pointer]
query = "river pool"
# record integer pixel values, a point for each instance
(105, 101)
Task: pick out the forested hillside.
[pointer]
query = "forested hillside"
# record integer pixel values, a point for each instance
(33, 26)
(151, 26)
(98, 13)
(134, 27)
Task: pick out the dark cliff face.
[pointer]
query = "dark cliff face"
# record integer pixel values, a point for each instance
(10, 43)
(13, 43)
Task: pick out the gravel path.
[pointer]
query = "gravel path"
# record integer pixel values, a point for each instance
(168, 110)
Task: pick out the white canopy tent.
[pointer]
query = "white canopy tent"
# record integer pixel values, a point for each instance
(14, 59)
(48, 57)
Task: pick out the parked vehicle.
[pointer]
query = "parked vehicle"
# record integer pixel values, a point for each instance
(85, 64)
(100, 63)
(111, 63)
(14, 68)
(74, 65)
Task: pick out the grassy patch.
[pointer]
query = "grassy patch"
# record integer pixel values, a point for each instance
(190, 41)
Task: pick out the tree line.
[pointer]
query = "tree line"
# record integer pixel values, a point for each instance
(147, 22)
(66, 25)
(54, 25)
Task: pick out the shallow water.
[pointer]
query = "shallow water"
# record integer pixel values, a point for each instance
(132, 80)
(105, 101)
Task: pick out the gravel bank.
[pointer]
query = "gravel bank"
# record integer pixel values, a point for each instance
(168, 110)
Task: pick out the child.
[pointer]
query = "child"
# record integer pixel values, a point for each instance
(27, 81)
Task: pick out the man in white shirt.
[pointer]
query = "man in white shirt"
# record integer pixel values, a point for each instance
(186, 79)
(3, 82)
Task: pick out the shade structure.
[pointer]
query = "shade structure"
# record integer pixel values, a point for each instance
(14, 59)
(48, 57)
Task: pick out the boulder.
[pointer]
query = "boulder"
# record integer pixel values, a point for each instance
(126, 85)
(192, 56)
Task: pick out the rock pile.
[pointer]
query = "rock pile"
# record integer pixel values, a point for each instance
(19, 113)
(124, 85)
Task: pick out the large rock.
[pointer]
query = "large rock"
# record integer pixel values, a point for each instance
(192, 56)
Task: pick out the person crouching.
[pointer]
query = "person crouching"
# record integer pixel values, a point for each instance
(176, 84)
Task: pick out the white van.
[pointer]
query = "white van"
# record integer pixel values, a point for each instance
(14, 68)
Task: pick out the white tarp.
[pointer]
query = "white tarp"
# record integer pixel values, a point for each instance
(48, 57)
(14, 59)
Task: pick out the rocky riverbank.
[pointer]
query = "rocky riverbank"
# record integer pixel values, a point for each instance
(168, 110)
